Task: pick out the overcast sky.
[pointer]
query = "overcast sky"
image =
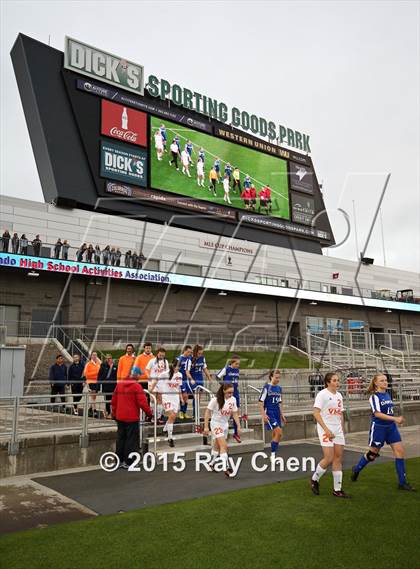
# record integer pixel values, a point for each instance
(347, 73)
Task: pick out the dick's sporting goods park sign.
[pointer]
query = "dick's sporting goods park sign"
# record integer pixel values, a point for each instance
(98, 64)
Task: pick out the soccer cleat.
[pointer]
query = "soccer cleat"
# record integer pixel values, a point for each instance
(340, 494)
(237, 438)
(161, 421)
(187, 416)
(406, 486)
(124, 465)
(229, 473)
(315, 487)
(354, 474)
(171, 443)
(181, 415)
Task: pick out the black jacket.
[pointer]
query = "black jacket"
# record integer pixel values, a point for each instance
(75, 372)
(108, 385)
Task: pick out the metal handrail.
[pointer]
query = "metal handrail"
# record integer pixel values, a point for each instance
(239, 275)
(197, 403)
(382, 348)
(249, 386)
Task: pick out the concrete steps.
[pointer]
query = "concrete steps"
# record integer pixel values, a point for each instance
(189, 444)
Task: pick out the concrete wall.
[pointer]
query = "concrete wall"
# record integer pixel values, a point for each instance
(167, 243)
(55, 451)
(151, 307)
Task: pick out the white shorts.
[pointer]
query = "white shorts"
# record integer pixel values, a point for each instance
(219, 431)
(337, 440)
(170, 402)
(159, 146)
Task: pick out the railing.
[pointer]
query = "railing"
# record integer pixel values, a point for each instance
(224, 272)
(197, 398)
(258, 390)
(35, 415)
(399, 359)
(370, 341)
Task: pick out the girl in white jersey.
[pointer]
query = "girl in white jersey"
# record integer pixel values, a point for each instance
(200, 173)
(221, 408)
(157, 369)
(170, 390)
(159, 144)
(328, 413)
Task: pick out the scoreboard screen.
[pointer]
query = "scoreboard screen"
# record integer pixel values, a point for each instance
(242, 171)
(99, 146)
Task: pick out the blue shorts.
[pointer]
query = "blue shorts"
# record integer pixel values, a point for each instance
(274, 421)
(186, 387)
(381, 434)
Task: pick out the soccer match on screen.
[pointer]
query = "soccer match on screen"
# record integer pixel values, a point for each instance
(209, 284)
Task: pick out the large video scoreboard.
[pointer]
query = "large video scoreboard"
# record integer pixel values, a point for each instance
(99, 146)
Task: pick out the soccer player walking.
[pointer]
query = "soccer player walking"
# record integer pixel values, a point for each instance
(170, 389)
(186, 159)
(226, 188)
(270, 408)
(383, 430)
(157, 369)
(186, 389)
(159, 144)
(197, 369)
(328, 413)
(221, 408)
(175, 153)
(230, 375)
(200, 173)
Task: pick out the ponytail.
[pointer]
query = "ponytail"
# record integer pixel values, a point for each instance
(197, 348)
(172, 367)
(220, 395)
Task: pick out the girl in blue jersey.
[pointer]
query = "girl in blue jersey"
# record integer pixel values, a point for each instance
(270, 408)
(383, 430)
(197, 369)
(186, 388)
(230, 375)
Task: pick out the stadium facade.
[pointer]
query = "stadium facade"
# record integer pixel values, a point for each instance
(212, 285)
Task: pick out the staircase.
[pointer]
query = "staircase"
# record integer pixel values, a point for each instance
(190, 443)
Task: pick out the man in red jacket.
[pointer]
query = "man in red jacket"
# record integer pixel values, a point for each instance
(127, 400)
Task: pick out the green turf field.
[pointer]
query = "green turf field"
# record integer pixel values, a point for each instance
(249, 360)
(279, 526)
(262, 168)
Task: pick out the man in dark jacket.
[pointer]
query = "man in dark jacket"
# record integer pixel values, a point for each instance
(127, 400)
(58, 379)
(36, 244)
(107, 379)
(75, 379)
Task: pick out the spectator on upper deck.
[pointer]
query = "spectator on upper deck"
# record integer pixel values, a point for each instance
(36, 244)
(23, 242)
(5, 241)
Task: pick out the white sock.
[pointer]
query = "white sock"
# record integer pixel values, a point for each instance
(169, 429)
(159, 409)
(338, 479)
(318, 473)
(224, 458)
(214, 455)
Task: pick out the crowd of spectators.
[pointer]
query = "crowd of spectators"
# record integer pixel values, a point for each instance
(85, 253)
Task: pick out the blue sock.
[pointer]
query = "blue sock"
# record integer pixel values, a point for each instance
(274, 446)
(400, 466)
(362, 463)
(235, 427)
(184, 407)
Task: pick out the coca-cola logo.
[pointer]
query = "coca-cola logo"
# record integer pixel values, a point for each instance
(124, 134)
(124, 123)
